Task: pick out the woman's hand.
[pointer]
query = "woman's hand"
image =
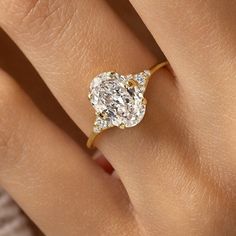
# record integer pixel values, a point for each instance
(177, 168)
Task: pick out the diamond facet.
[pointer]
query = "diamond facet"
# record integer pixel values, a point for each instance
(117, 101)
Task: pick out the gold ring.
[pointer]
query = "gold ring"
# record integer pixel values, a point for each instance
(118, 100)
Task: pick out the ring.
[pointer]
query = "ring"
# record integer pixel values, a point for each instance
(119, 100)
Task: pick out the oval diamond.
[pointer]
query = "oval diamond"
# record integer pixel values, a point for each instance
(116, 101)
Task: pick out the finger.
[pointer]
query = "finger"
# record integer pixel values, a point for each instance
(14, 62)
(198, 39)
(67, 55)
(51, 178)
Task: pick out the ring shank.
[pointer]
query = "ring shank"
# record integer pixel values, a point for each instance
(157, 67)
(91, 139)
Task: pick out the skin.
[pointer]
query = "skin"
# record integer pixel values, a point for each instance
(177, 169)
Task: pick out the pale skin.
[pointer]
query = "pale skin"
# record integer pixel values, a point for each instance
(177, 168)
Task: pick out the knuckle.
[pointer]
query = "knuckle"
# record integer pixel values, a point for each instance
(17, 8)
(32, 18)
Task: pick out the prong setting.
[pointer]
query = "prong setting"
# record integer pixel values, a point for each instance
(103, 115)
(122, 126)
(144, 101)
(132, 83)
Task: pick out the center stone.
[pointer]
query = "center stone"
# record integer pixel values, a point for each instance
(116, 101)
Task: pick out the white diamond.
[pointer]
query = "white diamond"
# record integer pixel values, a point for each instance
(96, 129)
(142, 77)
(101, 124)
(116, 102)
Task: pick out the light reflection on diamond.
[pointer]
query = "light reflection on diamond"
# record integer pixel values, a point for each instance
(118, 103)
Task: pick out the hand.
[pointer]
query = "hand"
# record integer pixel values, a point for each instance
(177, 169)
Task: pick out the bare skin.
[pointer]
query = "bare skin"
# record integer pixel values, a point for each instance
(177, 168)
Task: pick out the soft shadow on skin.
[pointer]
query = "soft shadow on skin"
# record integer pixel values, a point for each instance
(129, 16)
(14, 62)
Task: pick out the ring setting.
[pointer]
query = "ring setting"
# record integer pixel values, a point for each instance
(118, 100)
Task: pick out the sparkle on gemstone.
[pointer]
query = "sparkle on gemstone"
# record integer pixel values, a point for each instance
(115, 102)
